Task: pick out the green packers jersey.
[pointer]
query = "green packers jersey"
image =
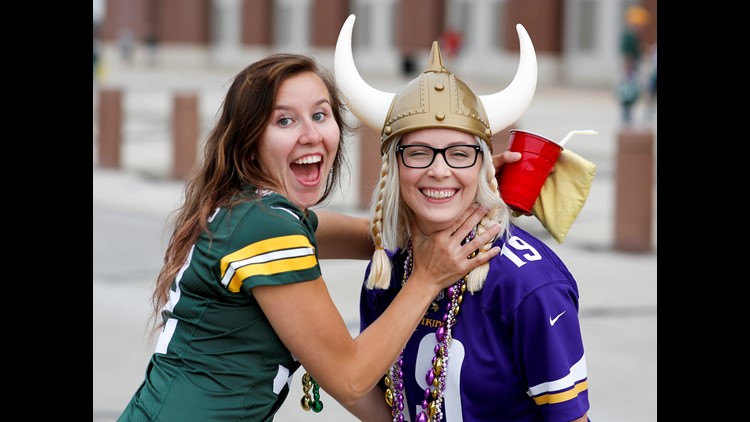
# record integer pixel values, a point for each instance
(218, 358)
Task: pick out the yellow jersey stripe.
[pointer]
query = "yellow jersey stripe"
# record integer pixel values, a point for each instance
(272, 267)
(265, 246)
(563, 396)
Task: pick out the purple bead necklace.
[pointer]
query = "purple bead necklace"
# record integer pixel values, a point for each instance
(435, 377)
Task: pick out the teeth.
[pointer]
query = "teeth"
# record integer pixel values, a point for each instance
(308, 160)
(438, 194)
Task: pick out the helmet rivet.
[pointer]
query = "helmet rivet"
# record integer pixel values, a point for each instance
(387, 130)
(439, 87)
(440, 116)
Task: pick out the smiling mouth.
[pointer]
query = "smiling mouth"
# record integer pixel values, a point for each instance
(310, 159)
(438, 194)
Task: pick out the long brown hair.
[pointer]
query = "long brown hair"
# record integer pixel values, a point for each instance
(230, 156)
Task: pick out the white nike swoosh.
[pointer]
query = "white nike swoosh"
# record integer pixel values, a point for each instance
(553, 321)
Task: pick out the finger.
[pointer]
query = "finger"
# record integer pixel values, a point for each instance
(482, 238)
(484, 257)
(506, 157)
(469, 219)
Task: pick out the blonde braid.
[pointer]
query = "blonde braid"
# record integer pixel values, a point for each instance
(380, 269)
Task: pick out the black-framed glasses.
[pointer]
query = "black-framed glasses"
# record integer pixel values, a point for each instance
(422, 156)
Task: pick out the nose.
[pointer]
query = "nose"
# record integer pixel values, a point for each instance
(439, 166)
(310, 132)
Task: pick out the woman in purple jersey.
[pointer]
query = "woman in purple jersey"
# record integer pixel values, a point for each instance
(503, 343)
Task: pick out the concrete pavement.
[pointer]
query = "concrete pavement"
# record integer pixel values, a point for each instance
(131, 204)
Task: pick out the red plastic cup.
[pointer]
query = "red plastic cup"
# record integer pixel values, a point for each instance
(521, 182)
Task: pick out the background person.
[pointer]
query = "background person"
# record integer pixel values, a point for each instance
(631, 50)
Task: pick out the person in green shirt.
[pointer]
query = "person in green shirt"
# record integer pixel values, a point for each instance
(631, 52)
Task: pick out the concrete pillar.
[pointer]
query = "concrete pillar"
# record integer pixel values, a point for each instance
(634, 195)
(185, 125)
(110, 127)
(369, 165)
(257, 23)
(326, 17)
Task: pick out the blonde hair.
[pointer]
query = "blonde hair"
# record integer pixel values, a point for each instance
(390, 227)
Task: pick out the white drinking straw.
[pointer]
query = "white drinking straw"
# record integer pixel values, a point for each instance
(577, 132)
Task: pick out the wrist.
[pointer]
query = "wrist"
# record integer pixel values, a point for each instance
(422, 285)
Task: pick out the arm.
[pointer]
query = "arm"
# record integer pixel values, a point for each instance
(342, 236)
(372, 407)
(307, 321)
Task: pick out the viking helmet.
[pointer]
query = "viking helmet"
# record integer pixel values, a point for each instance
(436, 98)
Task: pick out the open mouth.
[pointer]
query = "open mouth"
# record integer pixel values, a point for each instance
(307, 169)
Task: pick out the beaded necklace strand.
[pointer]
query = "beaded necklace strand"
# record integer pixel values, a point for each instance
(310, 402)
(436, 376)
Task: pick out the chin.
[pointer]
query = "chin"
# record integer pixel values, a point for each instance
(434, 223)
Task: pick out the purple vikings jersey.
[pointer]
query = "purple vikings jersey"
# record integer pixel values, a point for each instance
(517, 352)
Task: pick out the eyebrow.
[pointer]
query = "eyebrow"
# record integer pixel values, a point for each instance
(317, 103)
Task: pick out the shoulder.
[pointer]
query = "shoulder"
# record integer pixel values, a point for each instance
(270, 216)
(523, 251)
(266, 241)
(524, 266)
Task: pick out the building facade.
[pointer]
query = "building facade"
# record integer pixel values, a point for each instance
(576, 41)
